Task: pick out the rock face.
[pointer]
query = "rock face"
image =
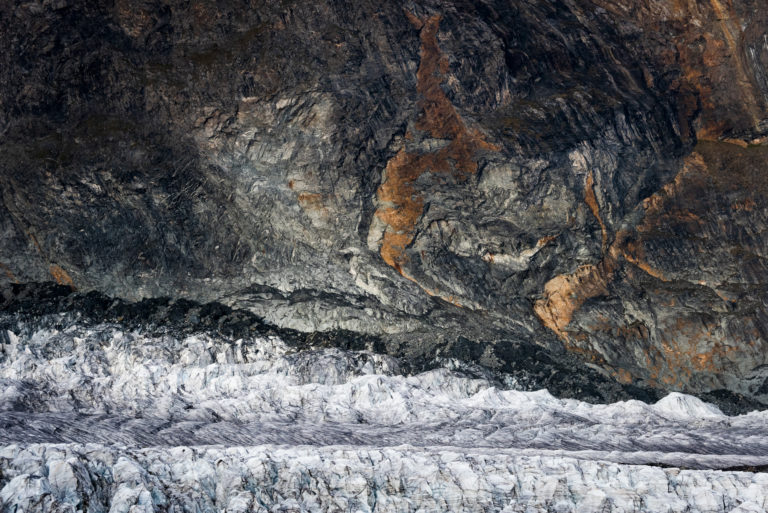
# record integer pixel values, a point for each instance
(583, 176)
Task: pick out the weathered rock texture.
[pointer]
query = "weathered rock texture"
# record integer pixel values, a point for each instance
(588, 176)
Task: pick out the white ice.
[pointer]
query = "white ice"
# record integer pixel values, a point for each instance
(134, 421)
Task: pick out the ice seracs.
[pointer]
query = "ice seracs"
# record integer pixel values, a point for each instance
(125, 421)
(95, 477)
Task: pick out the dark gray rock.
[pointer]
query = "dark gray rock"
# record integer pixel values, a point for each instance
(582, 176)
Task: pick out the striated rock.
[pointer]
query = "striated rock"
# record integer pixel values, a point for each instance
(585, 177)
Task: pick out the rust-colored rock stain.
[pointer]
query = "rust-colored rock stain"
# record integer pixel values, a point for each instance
(566, 293)
(61, 276)
(622, 376)
(689, 346)
(715, 90)
(685, 346)
(311, 200)
(36, 243)
(401, 204)
(591, 200)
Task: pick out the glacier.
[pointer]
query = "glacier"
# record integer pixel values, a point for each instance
(97, 417)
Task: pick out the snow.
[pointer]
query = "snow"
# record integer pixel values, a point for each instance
(686, 407)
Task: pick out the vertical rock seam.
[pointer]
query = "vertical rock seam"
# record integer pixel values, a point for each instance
(401, 204)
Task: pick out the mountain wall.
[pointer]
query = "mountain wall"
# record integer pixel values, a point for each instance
(586, 177)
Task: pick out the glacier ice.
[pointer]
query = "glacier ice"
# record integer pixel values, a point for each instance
(345, 478)
(96, 418)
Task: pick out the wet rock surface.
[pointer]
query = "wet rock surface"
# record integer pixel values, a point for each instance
(574, 184)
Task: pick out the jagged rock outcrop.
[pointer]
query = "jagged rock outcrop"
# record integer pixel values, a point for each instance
(587, 176)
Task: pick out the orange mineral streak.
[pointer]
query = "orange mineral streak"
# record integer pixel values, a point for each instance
(727, 24)
(622, 376)
(36, 243)
(401, 204)
(414, 20)
(311, 200)
(721, 37)
(747, 205)
(690, 346)
(566, 293)
(591, 201)
(633, 252)
(545, 240)
(686, 347)
(61, 276)
(717, 91)
(448, 298)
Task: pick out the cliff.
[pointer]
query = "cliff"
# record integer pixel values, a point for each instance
(478, 179)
